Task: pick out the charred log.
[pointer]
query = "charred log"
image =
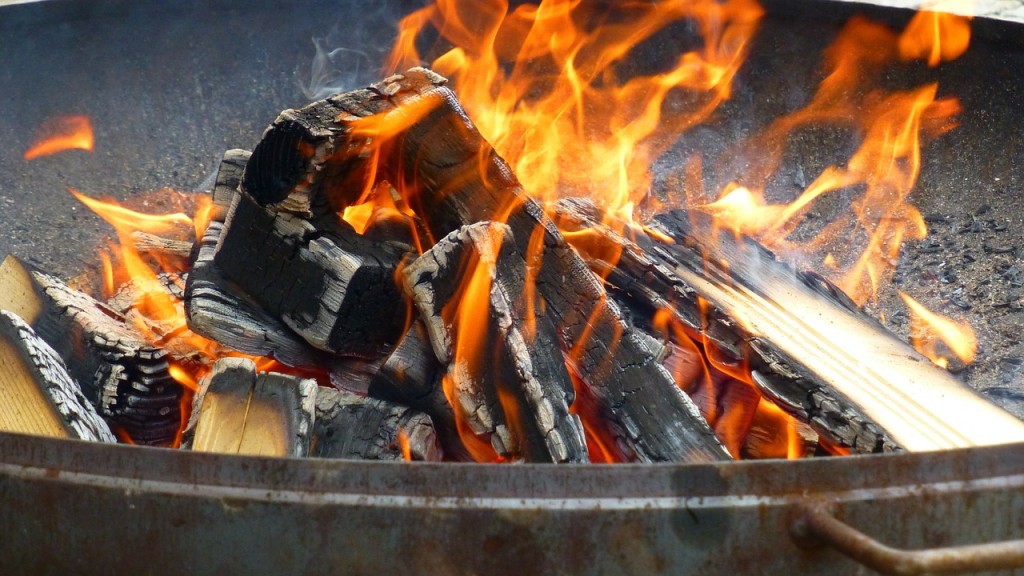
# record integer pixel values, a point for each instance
(359, 428)
(240, 411)
(217, 309)
(227, 182)
(317, 156)
(644, 278)
(512, 388)
(329, 285)
(125, 378)
(39, 396)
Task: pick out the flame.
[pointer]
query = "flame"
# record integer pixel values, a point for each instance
(540, 82)
(403, 445)
(928, 329)
(155, 313)
(62, 133)
(858, 249)
(467, 315)
(935, 37)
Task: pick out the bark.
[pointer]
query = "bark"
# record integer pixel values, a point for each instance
(419, 138)
(359, 428)
(40, 397)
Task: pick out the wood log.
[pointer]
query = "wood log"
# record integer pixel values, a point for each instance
(39, 396)
(227, 182)
(506, 377)
(219, 310)
(122, 375)
(409, 375)
(802, 325)
(410, 130)
(328, 284)
(359, 428)
(645, 279)
(240, 411)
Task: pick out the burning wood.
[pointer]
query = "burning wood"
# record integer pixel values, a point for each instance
(411, 130)
(514, 394)
(328, 284)
(124, 377)
(354, 427)
(240, 411)
(39, 395)
(377, 239)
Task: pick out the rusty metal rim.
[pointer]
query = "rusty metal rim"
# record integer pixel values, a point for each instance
(659, 486)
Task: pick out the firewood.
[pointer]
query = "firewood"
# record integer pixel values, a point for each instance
(217, 309)
(328, 284)
(359, 428)
(122, 375)
(240, 411)
(513, 389)
(151, 243)
(421, 140)
(644, 278)
(812, 352)
(227, 182)
(40, 397)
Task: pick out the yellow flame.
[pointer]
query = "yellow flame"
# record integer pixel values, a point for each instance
(928, 329)
(63, 133)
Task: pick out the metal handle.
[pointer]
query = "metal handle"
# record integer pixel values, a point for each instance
(812, 525)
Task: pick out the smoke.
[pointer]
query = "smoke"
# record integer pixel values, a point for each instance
(352, 53)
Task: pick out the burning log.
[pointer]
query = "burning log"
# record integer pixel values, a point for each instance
(218, 309)
(40, 397)
(412, 131)
(125, 378)
(240, 411)
(801, 324)
(514, 392)
(355, 427)
(328, 284)
(809, 349)
(644, 278)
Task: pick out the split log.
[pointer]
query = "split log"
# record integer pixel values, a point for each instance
(805, 328)
(417, 136)
(644, 277)
(125, 378)
(240, 411)
(409, 375)
(506, 377)
(217, 309)
(39, 396)
(328, 284)
(359, 428)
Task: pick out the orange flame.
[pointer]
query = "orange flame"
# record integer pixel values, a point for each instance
(928, 329)
(540, 83)
(403, 445)
(935, 37)
(62, 133)
(861, 247)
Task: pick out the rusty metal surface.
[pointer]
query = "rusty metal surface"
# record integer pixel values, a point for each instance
(814, 525)
(94, 509)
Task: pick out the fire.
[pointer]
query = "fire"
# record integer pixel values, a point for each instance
(935, 37)
(62, 133)
(928, 329)
(541, 84)
(885, 167)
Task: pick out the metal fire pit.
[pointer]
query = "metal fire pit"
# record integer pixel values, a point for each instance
(171, 85)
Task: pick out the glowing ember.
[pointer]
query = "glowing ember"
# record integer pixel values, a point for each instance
(62, 133)
(928, 329)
